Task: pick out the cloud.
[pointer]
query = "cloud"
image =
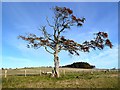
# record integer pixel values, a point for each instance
(31, 52)
(107, 58)
(81, 35)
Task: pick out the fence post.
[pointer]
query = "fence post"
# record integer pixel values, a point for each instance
(25, 73)
(5, 73)
(40, 72)
(64, 72)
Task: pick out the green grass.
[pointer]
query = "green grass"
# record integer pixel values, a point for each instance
(69, 80)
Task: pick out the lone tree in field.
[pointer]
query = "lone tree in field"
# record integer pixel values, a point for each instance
(64, 19)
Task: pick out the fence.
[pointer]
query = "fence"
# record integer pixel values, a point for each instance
(39, 72)
(27, 72)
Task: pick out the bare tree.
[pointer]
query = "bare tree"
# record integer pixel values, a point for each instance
(63, 20)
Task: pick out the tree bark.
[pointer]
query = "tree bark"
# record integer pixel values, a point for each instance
(56, 63)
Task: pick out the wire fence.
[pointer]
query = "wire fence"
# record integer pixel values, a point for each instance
(39, 72)
(26, 72)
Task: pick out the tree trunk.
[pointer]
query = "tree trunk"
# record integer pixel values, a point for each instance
(56, 63)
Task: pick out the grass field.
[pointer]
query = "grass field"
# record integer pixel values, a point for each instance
(71, 78)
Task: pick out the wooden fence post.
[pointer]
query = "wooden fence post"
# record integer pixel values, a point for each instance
(25, 73)
(5, 73)
(40, 72)
(64, 72)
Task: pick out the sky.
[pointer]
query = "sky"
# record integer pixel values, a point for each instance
(27, 17)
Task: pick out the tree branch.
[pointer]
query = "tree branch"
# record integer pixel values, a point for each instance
(49, 22)
(51, 39)
(56, 28)
(48, 50)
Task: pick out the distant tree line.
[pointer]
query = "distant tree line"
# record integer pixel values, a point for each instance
(84, 65)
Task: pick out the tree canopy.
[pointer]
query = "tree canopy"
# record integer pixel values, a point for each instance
(64, 19)
(84, 65)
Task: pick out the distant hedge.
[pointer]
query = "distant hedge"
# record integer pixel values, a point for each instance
(80, 65)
